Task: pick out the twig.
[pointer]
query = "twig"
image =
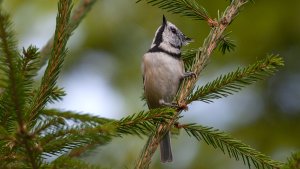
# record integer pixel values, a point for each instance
(15, 87)
(201, 59)
(78, 14)
(62, 35)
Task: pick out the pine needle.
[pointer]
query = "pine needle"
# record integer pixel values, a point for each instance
(75, 116)
(12, 100)
(233, 82)
(66, 162)
(189, 8)
(228, 145)
(293, 161)
(76, 17)
(188, 57)
(226, 44)
(29, 66)
(62, 34)
(143, 122)
(57, 137)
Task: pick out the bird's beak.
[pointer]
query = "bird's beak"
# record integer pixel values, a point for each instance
(187, 40)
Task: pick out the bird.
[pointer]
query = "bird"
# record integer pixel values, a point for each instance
(163, 71)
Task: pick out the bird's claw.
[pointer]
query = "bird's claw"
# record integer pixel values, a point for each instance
(178, 106)
(162, 102)
(178, 125)
(189, 74)
(183, 107)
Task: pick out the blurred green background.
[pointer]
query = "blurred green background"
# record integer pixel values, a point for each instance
(102, 75)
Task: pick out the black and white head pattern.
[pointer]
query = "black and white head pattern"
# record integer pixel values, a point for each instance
(168, 38)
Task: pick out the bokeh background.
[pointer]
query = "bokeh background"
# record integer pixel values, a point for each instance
(102, 75)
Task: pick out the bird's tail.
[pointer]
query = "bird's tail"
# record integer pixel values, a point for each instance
(165, 149)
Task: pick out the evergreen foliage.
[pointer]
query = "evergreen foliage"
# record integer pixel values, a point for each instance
(226, 44)
(188, 57)
(29, 132)
(189, 8)
(228, 145)
(234, 81)
(67, 162)
(62, 34)
(293, 162)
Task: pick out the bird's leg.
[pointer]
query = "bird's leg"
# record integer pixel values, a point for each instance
(189, 74)
(173, 105)
(182, 106)
(163, 103)
(179, 126)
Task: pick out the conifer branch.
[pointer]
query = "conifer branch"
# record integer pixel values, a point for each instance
(80, 12)
(29, 67)
(45, 124)
(65, 139)
(62, 34)
(14, 92)
(65, 162)
(56, 94)
(188, 57)
(189, 8)
(226, 44)
(77, 15)
(201, 59)
(74, 116)
(232, 147)
(209, 45)
(293, 162)
(152, 143)
(233, 82)
(92, 130)
(143, 122)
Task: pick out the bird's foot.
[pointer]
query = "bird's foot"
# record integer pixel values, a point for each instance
(178, 106)
(163, 103)
(178, 125)
(189, 74)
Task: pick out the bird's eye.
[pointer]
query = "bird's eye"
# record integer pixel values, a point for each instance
(173, 30)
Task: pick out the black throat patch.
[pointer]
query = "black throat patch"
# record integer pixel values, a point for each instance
(159, 36)
(156, 48)
(174, 46)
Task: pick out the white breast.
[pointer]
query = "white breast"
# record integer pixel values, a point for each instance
(162, 76)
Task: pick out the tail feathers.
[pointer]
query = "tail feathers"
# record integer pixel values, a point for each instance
(165, 149)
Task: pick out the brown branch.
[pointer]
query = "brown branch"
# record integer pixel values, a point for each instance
(202, 57)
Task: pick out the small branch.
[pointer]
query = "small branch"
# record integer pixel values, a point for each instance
(86, 134)
(45, 124)
(232, 147)
(232, 82)
(209, 45)
(153, 142)
(15, 92)
(69, 115)
(62, 34)
(143, 122)
(15, 87)
(77, 15)
(201, 59)
(189, 8)
(32, 158)
(293, 161)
